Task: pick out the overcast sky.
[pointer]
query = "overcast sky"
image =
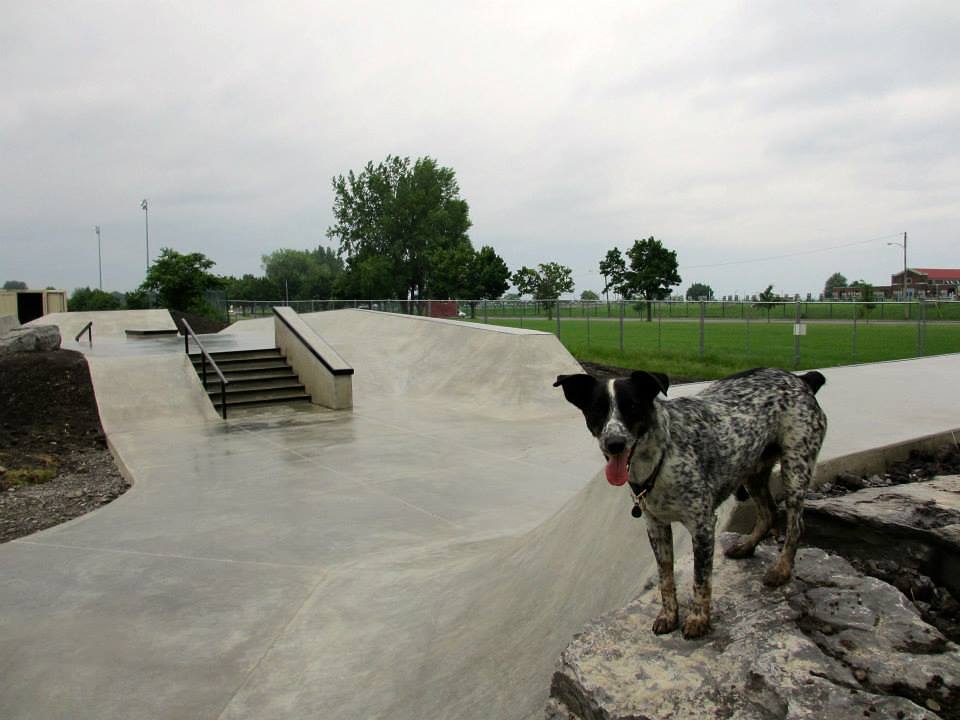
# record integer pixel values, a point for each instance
(734, 132)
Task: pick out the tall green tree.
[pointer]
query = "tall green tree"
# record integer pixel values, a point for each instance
(652, 272)
(411, 215)
(837, 280)
(489, 275)
(93, 299)
(699, 291)
(180, 281)
(614, 269)
(305, 274)
(547, 283)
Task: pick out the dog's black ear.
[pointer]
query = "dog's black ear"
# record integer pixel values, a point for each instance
(650, 383)
(578, 389)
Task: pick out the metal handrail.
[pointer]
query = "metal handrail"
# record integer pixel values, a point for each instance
(88, 329)
(205, 356)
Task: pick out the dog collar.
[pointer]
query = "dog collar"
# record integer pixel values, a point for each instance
(638, 492)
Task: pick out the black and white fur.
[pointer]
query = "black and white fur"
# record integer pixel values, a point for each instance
(700, 450)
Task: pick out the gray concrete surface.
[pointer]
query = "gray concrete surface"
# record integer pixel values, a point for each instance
(427, 555)
(107, 323)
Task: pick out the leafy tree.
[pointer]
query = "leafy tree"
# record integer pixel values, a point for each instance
(489, 274)
(653, 271)
(250, 287)
(14, 285)
(767, 300)
(547, 283)
(488, 277)
(180, 281)
(837, 280)
(405, 216)
(84, 299)
(614, 269)
(589, 295)
(305, 274)
(138, 299)
(699, 291)
(866, 296)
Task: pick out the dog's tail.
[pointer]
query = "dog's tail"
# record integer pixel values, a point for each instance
(814, 380)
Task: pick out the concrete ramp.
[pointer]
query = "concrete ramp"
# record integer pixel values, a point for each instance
(495, 371)
(425, 555)
(106, 323)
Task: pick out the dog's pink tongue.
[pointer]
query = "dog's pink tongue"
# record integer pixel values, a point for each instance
(617, 469)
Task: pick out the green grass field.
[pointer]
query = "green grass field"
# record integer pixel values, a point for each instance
(947, 310)
(673, 346)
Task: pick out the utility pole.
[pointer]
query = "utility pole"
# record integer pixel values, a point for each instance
(146, 220)
(906, 307)
(99, 255)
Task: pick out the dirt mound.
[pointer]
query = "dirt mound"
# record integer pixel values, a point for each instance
(55, 461)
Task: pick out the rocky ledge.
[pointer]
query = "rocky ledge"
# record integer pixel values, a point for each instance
(832, 643)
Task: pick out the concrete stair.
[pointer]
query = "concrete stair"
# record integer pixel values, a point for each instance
(254, 377)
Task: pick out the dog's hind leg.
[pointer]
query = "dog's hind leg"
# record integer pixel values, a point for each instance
(759, 486)
(661, 540)
(796, 473)
(697, 623)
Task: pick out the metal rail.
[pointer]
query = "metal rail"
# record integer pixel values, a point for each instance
(88, 329)
(204, 357)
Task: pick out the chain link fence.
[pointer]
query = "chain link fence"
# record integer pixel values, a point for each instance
(788, 333)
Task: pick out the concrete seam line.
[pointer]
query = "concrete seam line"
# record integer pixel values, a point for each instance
(273, 641)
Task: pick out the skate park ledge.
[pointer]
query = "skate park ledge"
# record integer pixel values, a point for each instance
(327, 377)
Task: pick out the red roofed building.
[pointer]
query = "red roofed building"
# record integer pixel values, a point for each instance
(931, 283)
(926, 282)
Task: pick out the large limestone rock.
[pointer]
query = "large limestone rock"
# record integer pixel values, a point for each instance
(33, 338)
(832, 643)
(915, 525)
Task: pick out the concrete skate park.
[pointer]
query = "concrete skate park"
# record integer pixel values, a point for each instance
(427, 553)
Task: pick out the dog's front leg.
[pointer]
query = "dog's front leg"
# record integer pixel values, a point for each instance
(697, 623)
(661, 540)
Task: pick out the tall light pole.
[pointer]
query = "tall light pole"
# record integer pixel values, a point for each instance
(146, 221)
(99, 255)
(906, 308)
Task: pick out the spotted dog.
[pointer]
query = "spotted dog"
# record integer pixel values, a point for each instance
(683, 457)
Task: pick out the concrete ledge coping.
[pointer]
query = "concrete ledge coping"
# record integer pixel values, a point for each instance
(150, 332)
(317, 346)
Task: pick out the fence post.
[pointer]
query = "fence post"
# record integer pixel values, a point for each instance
(703, 311)
(747, 348)
(621, 325)
(796, 337)
(558, 318)
(921, 326)
(854, 333)
(588, 328)
(660, 326)
(484, 311)
(523, 306)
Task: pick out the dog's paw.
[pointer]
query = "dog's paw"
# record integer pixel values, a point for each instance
(740, 550)
(776, 576)
(696, 626)
(665, 623)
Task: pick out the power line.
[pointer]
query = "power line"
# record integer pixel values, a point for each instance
(795, 254)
